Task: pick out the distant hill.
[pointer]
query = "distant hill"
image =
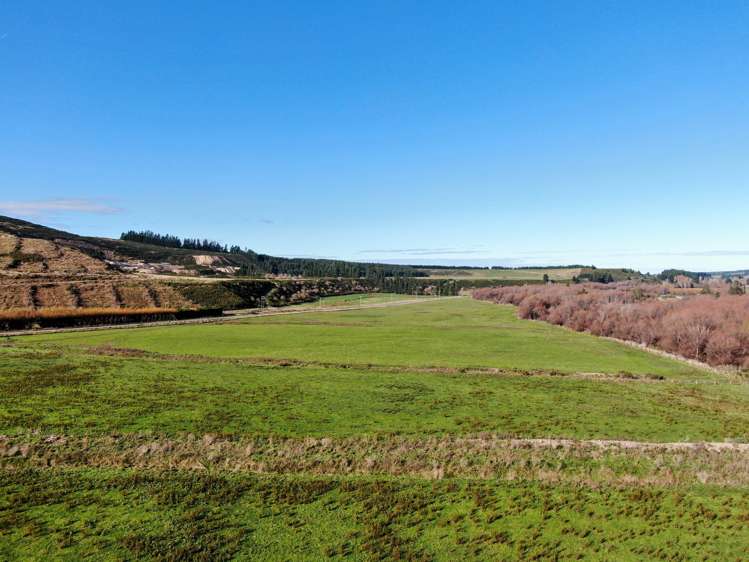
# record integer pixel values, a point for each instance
(735, 273)
(48, 276)
(130, 255)
(560, 273)
(59, 252)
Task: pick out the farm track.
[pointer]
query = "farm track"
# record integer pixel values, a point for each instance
(229, 316)
(581, 462)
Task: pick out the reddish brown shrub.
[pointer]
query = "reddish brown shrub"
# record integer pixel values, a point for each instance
(715, 330)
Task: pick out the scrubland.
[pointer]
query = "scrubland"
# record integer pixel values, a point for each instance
(706, 327)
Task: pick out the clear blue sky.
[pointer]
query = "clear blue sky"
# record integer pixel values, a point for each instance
(486, 132)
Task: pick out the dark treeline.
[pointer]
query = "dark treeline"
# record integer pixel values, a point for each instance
(594, 277)
(306, 267)
(171, 241)
(671, 274)
(253, 264)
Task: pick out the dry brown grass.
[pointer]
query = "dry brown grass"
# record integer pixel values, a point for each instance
(15, 296)
(43, 256)
(30, 314)
(134, 296)
(31, 266)
(8, 243)
(587, 463)
(94, 292)
(40, 247)
(97, 294)
(55, 296)
(75, 261)
(169, 297)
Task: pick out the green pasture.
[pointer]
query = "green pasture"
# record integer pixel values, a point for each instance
(143, 515)
(454, 332)
(442, 368)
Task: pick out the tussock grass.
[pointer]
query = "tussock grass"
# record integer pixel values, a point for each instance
(8, 244)
(484, 456)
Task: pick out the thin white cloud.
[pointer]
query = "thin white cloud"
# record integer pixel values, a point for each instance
(707, 253)
(310, 257)
(424, 251)
(46, 207)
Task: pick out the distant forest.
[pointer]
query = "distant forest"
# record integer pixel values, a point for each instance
(252, 263)
(171, 241)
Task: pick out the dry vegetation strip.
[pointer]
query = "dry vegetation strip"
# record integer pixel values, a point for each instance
(237, 315)
(589, 463)
(93, 293)
(54, 312)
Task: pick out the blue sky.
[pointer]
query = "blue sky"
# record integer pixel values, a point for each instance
(515, 133)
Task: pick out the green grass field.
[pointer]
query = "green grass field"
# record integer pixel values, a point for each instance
(440, 333)
(127, 514)
(77, 393)
(357, 300)
(370, 434)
